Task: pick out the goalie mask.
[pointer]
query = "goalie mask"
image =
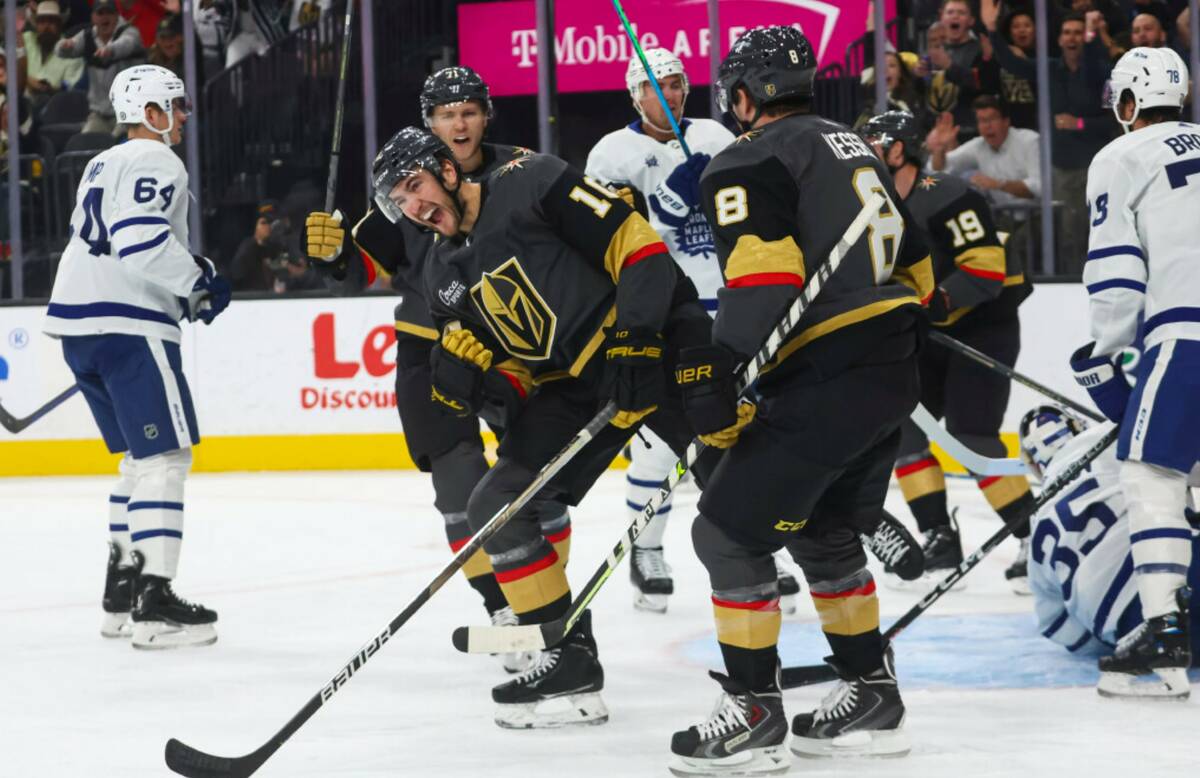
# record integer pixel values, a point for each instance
(1043, 432)
(407, 153)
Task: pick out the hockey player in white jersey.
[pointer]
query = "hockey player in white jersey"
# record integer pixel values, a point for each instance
(1081, 566)
(646, 156)
(125, 281)
(1144, 263)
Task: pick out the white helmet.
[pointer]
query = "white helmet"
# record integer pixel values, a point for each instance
(1157, 78)
(136, 87)
(1042, 432)
(662, 63)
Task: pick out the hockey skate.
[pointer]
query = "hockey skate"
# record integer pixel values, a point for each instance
(561, 689)
(744, 736)
(1017, 573)
(942, 551)
(1158, 648)
(862, 716)
(119, 583)
(161, 619)
(515, 661)
(892, 544)
(789, 587)
(651, 577)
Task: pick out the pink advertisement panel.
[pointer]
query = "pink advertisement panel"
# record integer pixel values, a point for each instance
(500, 39)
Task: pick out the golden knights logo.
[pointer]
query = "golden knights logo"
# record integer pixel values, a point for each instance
(748, 136)
(515, 312)
(513, 164)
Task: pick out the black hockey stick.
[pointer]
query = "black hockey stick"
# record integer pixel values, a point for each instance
(15, 425)
(531, 637)
(335, 152)
(805, 675)
(1003, 369)
(185, 760)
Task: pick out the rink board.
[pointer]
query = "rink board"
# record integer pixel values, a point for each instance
(307, 384)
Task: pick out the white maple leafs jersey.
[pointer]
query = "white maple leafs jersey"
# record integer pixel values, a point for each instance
(127, 262)
(630, 156)
(1080, 564)
(1143, 194)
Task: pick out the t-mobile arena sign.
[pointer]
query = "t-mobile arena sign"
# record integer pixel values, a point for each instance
(500, 39)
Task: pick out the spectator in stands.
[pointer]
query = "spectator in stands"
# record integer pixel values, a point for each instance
(251, 267)
(1082, 126)
(906, 89)
(957, 59)
(146, 15)
(108, 46)
(48, 72)
(1002, 161)
(1147, 30)
(167, 50)
(1018, 31)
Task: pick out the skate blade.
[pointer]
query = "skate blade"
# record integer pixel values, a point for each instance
(787, 604)
(1167, 683)
(116, 625)
(570, 710)
(159, 635)
(879, 743)
(754, 761)
(651, 603)
(926, 582)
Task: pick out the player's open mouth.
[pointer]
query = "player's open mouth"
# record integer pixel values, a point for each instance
(462, 139)
(432, 216)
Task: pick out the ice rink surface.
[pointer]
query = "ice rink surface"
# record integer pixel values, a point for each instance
(303, 568)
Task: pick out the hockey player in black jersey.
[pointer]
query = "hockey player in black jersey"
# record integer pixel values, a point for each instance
(456, 105)
(808, 467)
(978, 290)
(538, 263)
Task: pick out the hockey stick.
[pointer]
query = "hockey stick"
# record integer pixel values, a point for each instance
(532, 637)
(976, 463)
(335, 152)
(1005, 370)
(637, 47)
(809, 674)
(185, 760)
(15, 425)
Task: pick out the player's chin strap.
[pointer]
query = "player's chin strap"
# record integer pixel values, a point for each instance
(164, 134)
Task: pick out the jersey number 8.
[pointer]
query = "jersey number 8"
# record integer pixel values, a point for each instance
(886, 227)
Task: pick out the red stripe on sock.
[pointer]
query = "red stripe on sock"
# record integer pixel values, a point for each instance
(858, 591)
(455, 545)
(558, 537)
(507, 576)
(986, 482)
(915, 467)
(754, 605)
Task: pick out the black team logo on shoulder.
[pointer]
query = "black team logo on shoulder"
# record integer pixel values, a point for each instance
(515, 312)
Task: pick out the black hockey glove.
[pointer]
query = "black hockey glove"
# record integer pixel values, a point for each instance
(457, 366)
(634, 373)
(705, 377)
(939, 305)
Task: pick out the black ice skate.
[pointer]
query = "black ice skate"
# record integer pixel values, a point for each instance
(651, 577)
(744, 736)
(862, 716)
(894, 545)
(942, 551)
(1158, 648)
(1017, 573)
(561, 689)
(789, 587)
(161, 619)
(119, 582)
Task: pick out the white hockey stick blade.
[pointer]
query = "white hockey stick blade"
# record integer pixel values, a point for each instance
(976, 463)
(500, 640)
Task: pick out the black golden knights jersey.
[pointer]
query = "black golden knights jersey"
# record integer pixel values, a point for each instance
(398, 250)
(969, 261)
(779, 199)
(552, 260)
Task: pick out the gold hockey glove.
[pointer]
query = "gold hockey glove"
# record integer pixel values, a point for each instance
(457, 367)
(324, 235)
(728, 436)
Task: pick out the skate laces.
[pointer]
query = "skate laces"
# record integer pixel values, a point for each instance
(889, 546)
(726, 717)
(546, 662)
(505, 617)
(170, 595)
(651, 563)
(839, 702)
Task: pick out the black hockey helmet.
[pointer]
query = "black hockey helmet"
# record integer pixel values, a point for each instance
(454, 85)
(892, 126)
(405, 154)
(772, 64)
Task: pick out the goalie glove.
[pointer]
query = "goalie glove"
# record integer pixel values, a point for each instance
(324, 236)
(1104, 381)
(458, 364)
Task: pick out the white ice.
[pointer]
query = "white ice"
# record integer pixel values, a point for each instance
(303, 568)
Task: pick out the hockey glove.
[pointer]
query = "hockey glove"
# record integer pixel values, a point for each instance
(939, 305)
(1104, 380)
(634, 373)
(324, 235)
(210, 294)
(457, 366)
(674, 199)
(705, 376)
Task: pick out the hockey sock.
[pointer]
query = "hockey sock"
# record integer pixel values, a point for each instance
(118, 501)
(651, 462)
(849, 613)
(923, 484)
(534, 581)
(748, 621)
(1009, 496)
(557, 532)
(478, 569)
(1159, 534)
(155, 510)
